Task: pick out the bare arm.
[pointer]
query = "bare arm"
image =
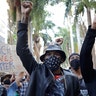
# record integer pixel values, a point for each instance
(94, 23)
(26, 8)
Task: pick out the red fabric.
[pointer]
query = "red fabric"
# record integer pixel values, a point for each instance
(57, 76)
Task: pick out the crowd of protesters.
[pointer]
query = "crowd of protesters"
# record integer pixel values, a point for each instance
(48, 78)
(74, 61)
(12, 84)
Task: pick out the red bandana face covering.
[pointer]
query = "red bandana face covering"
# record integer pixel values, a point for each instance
(53, 63)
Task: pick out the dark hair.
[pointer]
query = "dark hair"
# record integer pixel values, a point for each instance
(73, 54)
(7, 81)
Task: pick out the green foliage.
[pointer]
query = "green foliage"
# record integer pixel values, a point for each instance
(38, 14)
(48, 25)
(79, 6)
(78, 10)
(93, 4)
(13, 12)
(39, 21)
(66, 42)
(53, 2)
(68, 7)
(45, 37)
(66, 36)
(75, 37)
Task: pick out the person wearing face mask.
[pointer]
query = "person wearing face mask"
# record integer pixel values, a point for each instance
(3, 90)
(47, 78)
(5, 80)
(19, 86)
(74, 61)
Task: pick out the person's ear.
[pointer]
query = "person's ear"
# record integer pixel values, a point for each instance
(62, 60)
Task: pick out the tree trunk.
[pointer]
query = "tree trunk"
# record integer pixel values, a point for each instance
(30, 42)
(89, 16)
(71, 33)
(78, 36)
(17, 4)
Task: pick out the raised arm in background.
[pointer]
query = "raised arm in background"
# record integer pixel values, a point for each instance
(88, 72)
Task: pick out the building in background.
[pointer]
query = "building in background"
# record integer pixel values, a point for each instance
(3, 21)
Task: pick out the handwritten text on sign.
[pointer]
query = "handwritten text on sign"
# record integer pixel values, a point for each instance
(6, 61)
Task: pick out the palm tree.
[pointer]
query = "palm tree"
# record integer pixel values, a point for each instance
(80, 5)
(37, 16)
(66, 42)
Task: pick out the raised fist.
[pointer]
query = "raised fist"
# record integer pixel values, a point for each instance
(26, 7)
(59, 40)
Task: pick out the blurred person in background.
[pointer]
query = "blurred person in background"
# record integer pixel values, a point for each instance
(18, 86)
(74, 61)
(25, 82)
(3, 91)
(12, 79)
(5, 80)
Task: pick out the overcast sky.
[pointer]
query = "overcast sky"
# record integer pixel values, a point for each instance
(57, 13)
(57, 16)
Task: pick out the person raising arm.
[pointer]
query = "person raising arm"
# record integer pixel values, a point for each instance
(88, 72)
(48, 78)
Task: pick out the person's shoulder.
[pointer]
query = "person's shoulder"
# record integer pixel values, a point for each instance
(68, 73)
(13, 84)
(67, 70)
(1, 87)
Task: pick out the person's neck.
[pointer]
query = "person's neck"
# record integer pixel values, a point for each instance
(78, 73)
(58, 72)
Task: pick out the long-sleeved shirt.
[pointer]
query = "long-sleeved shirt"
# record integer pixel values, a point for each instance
(12, 89)
(88, 72)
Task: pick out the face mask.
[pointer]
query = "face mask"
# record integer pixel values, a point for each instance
(75, 64)
(53, 63)
(7, 81)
